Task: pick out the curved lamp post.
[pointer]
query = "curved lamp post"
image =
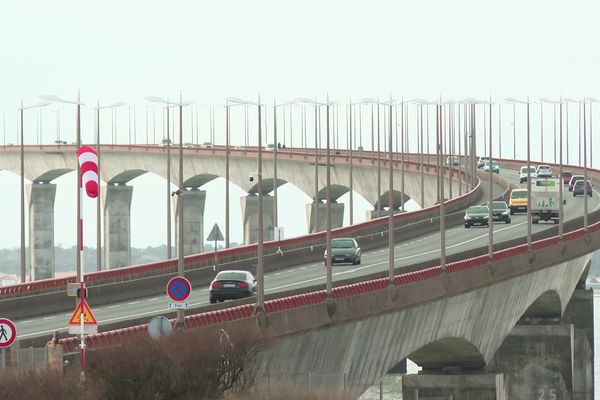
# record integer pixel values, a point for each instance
(98, 205)
(21, 109)
(56, 99)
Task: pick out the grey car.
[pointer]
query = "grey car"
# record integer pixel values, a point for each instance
(231, 284)
(344, 250)
(500, 211)
(477, 215)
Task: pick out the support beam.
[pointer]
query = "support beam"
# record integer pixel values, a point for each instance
(193, 217)
(249, 206)
(117, 225)
(337, 216)
(40, 198)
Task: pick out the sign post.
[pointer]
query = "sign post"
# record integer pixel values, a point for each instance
(8, 334)
(215, 235)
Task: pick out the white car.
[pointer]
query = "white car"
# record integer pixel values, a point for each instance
(523, 173)
(544, 171)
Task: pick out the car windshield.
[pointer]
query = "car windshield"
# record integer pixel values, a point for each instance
(524, 170)
(231, 276)
(499, 205)
(566, 173)
(577, 178)
(519, 194)
(579, 183)
(342, 244)
(544, 167)
(477, 210)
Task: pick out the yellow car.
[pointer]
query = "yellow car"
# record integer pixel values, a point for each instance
(518, 201)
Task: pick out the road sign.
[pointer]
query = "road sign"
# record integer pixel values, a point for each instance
(215, 234)
(179, 289)
(158, 327)
(90, 324)
(8, 332)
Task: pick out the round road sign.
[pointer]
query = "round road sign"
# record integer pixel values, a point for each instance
(179, 288)
(8, 332)
(159, 327)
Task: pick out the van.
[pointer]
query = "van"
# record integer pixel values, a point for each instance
(517, 201)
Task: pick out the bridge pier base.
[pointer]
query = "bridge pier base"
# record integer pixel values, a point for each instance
(250, 218)
(41, 230)
(337, 216)
(117, 225)
(193, 217)
(383, 213)
(464, 387)
(537, 361)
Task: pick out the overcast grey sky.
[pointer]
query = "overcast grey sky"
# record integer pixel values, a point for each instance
(117, 50)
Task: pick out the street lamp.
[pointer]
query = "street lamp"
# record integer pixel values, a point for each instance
(554, 103)
(275, 148)
(21, 109)
(372, 102)
(98, 205)
(591, 100)
(260, 269)
(167, 105)
(180, 323)
(56, 99)
(327, 104)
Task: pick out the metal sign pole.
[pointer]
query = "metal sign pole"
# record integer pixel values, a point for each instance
(81, 319)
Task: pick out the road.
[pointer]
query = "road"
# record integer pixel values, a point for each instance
(418, 249)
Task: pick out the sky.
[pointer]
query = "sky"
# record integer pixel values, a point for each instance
(118, 50)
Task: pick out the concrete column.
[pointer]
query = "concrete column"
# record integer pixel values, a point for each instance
(464, 387)
(383, 213)
(537, 361)
(117, 225)
(337, 216)
(41, 229)
(249, 206)
(193, 217)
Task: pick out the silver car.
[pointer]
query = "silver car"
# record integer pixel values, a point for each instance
(344, 250)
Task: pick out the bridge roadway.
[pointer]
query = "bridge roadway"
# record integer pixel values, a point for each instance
(420, 249)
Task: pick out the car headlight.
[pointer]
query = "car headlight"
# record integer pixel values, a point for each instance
(467, 217)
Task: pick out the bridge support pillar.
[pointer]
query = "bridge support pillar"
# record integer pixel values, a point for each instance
(117, 225)
(193, 217)
(383, 213)
(41, 230)
(337, 216)
(537, 361)
(249, 206)
(464, 387)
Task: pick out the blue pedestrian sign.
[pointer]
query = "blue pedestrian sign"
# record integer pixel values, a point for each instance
(179, 289)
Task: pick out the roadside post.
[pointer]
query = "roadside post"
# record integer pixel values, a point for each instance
(216, 236)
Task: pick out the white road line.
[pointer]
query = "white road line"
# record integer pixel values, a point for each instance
(26, 322)
(115, 306)
(154, 299)
(47, 318)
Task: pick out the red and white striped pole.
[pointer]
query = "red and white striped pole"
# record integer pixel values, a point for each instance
(88, 178)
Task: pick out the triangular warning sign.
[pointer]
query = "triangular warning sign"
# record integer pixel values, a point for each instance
(215, 234)
(88, 316)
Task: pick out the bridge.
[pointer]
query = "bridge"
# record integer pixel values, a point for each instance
(455, 323)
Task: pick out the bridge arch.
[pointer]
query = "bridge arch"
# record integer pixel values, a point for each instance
(547, 305)
(448, 353)
(51, 175)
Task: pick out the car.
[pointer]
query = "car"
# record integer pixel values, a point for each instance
(188, 144)
(544, 171)
(453, 160)
(166, 142)
(574, 179)
(270, 147)
(239, 147)
(482, 161)
(344, 250)
(500, 211)
(523, 173)
(566, 176)
(206, 145)
(578, 189)
(231, 284)
(477, 215)
(59, 142)
(495, 167)
(518, 201)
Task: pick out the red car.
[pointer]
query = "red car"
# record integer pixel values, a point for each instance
(566, 175)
